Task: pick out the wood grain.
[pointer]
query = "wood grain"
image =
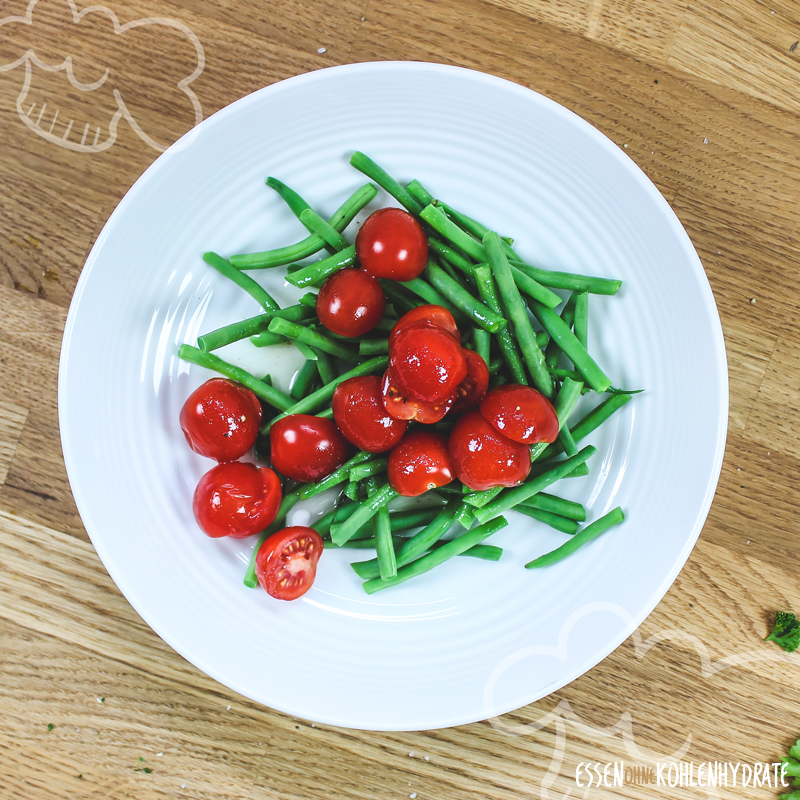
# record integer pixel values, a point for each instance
(703, 97)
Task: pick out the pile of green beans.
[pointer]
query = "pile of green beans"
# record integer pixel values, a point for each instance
(506, 310)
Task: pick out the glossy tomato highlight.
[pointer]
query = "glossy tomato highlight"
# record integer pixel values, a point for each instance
(521, 413)
(359, 412)
(306, 448)
(419, 463)
(286, 562)
(351, 302)
(392, 244)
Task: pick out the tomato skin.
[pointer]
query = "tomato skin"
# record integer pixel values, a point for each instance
(392, 244)
(420, 462)
(473, 388)
(220, 419)
(359, 412)
(306, 448)
(351, 302)
(236, 499)
(404, 408)
(286, 562)
(482, 457)
(520, 413)
(436, 315)
(427, 363)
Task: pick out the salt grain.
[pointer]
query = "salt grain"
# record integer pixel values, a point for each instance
(705, 141)
(625, 146)
(228, 708)
(752, 301)
(413, 795)
(321, 50)
(426, 758)
(159, 754)
(183, 786)
(411, 754)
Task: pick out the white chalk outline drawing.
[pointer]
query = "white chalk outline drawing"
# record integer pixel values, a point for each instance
(29, 58)
(563, 714)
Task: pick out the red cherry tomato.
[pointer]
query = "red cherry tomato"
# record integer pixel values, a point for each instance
(306, 448)
(420, 462)
(360, 414)
(236, 499)
(520, 413)
(483, 458)
(221, 419)
(426, 363)
(401, 407)
(473, 388)
(392, 244)
(436, 315)
(351, 302)
(286, 562)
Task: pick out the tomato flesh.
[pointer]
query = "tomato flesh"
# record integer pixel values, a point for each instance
(436, 315)
(426, 363)
(420, 462)
(220, 419)
(286, 562)
(236, 499)
(351, 302)
(306, 448)
(404, 408)
(482, 457)
(359, 412)
(473, 388)
(521, 413)
(392, 244)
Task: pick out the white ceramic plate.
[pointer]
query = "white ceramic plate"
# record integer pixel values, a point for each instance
(471, 639)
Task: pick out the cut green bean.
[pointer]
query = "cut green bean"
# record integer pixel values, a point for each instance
(591, 531)
(309, 300)
(478, 312)
(486, 552)
(568, 280)
(444, 251)
(294, 331)
(401, 297)
(255, 290)
(508, 498)
(482, 340)
(297, 204)
(556, 505)
(376, 173)
(455, 547)
(532, 288)
(582, 318)
(323, 525)
(506, 342)
(573, 349)
(301, 385)
(307, 352)
(251, 326)
(341, 218)
(316, 400)
(325, 367)
(567, 442)
(373, 347)
(339, 475)
(562, 524)
(553, 352)
(419, 193)
(316, 224)
(518, 315)
(384, 544)
(320, 271)
(215, 363)
(541, 468)
(368, 469)
(351, 490)
(445, 227)
(265, 339)
(430, 295)
(344, 531)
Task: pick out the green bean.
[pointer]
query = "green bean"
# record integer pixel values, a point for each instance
(515, 309)
(309, 300)
(482, 340)
(589, 423)
(568, 280)
(453, 257)
(553, 352)
(259, 388)
(419, 193)
(541, 468)
(508, 347)
(573, 349)
(316, 224)
(582, 318)
(325, 414)
(341, 218)
(404, 520)
(556, 505)
(559, 373)
(477, 311)
(562, 524)
(366, 165)
(351, 490)
(365, 512)
(255, 290)
(592, 531)
(567, 442)
(384, 545)
(399, 296)
(510, 497)
(325, 367)
(368, 469)
(455, 547)
(487, 552)
(311, 338)
(265, 339)
(301, 385)
(430, 295)
(297, 204)
(319, 271)
(307, 352)
(373, 347)
(339, 475)
(323, 525)
(532, 288)
(465, 517)
(385, 325)
(220, 337)
(317, 399)
(445, 227)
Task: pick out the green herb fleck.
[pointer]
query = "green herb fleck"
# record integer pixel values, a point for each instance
(141, 758)
(80, 777)
(786, 631)
(50, 726)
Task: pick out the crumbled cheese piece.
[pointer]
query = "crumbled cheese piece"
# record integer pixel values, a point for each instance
(322, 50)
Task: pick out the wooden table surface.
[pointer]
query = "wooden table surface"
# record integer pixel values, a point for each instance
(703, 95)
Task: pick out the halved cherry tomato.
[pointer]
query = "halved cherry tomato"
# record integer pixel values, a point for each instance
(426, 363)
(306, 448)
(351, 302)
(401, 407)
(420, 462)
(520, 413)
(221, 419)
(236, 499)
(473, 388)
(483, 458)
(359, 412)
(392, 244)
(436, 315)
(286, 562)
